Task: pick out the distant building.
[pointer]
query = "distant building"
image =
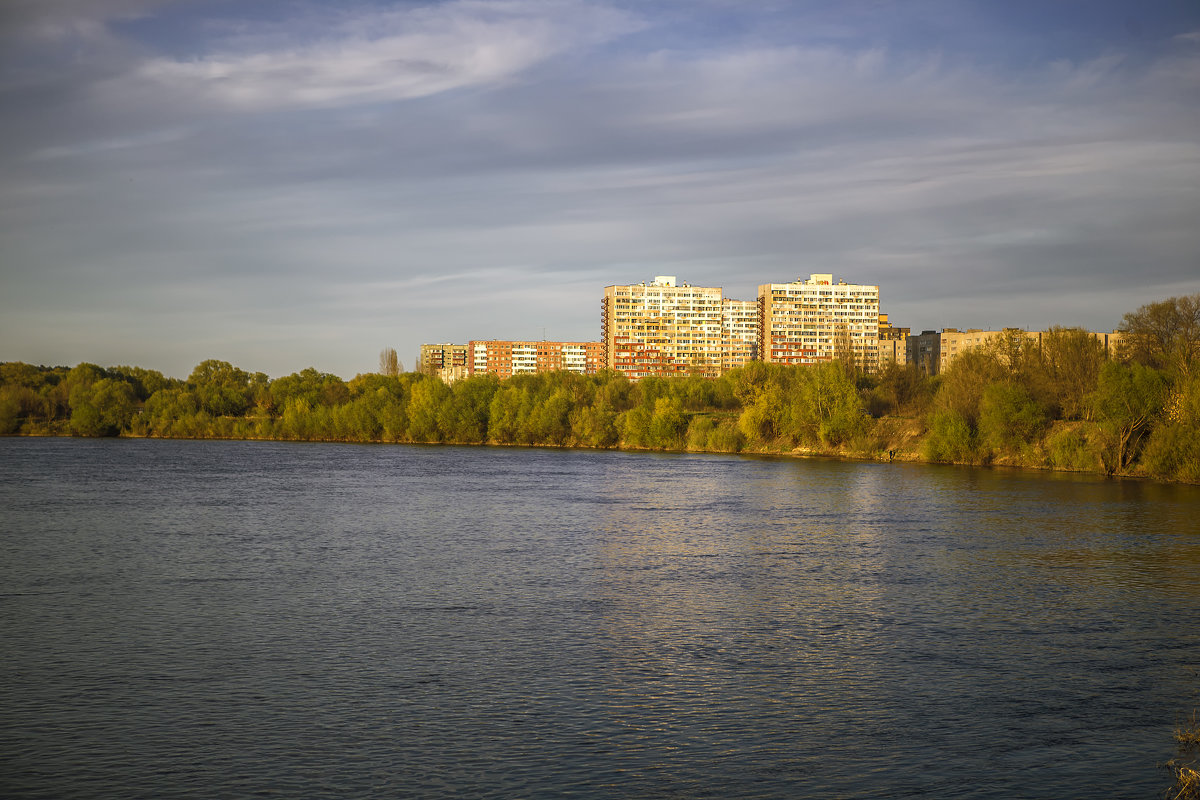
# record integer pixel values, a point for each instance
(892, 343)
(666, 328)
(506, 358)
(955, 342)
(446, 361)
(934, 351)
(925, 350)
(816, 320)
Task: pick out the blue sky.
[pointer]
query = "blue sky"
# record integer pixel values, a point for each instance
(294, 184)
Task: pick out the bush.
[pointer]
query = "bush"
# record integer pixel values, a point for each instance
(1071, 448)
(950, 438)
(1173, 453)
(1010, 421)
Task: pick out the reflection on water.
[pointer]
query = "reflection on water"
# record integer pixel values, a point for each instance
(214, 618)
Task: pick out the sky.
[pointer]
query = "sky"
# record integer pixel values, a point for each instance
(296, 184)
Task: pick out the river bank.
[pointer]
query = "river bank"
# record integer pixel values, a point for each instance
(889, 440)
(1125, 419)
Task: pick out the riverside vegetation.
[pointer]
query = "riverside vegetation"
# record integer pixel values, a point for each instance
(1061, 405)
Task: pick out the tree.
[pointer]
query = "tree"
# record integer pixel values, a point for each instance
(1173, 449)
(963, 383)
(667, 424)
(1070, 364)
(145, 382)
(12, 398)
(427, 398)
(464, 413)
(104, 408)
(1009, 419)
(389, 362)
(1165, 334)
(1126, 401)
(222, 389)
(950, 438)
(902, 389)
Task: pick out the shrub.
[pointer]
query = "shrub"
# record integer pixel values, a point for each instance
(1071, 448)
(950, 438)
(1173, 453)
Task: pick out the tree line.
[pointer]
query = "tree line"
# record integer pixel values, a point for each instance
(1062, 403)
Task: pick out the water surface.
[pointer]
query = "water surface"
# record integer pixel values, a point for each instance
(228, 619)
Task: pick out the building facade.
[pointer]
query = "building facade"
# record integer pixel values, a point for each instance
(505, 358)
(935, 351)
(816, 320)
(663, 329)
(739, 332)
(446, 361)
(892, 344)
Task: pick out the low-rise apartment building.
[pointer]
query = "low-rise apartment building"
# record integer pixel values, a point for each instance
(505, 358)
(934, 351)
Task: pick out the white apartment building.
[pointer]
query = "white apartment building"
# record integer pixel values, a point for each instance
(739, 332)
(662, 328)
(815, 320)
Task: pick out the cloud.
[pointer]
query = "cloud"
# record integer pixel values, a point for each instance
(59, 20)
(588, 148)
(391, 56)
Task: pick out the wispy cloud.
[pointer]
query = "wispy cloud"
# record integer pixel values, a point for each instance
(527, 153)
(393, 55)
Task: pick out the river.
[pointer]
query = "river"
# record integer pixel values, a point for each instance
(232, 619)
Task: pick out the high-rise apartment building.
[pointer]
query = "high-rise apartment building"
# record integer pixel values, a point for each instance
(666, 328)
(508, 358)
(815, 320)
(739, 332)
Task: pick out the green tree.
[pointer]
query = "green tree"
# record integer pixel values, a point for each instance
(464, 415)
(550, 420)
(222, 389)
(315, 388)
(104, 408)
(505, 414)
(962, 385)
(10, 408)
(950, 438)
(1173, 448)
(1126, 401)
(829, 408)
(667, 424)
(634, 426)
(902, 389)
(595, 425)
(424, 405)
(145, 382)
(1070, 361)
(761, 420)
(1165, 335)
(1010, 421)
